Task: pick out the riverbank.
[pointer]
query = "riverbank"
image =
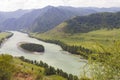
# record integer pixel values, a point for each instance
(83, 44)
(19, 68)
(73, 49)
(49, 70)
(53, 55)
(4, 36)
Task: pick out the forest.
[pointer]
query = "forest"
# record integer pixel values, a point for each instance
(84, 24)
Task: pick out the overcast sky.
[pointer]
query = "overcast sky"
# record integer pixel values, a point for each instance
(11, 5)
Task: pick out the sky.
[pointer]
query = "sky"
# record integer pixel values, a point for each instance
(11, 5)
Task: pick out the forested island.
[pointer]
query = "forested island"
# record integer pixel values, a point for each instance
(32, 47)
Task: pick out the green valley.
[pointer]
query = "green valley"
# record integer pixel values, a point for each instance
(87, 31)
(104, 43)
(60, 40)
(87, 40)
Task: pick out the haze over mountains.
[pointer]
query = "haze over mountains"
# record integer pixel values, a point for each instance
(14, 14)
(42, 20)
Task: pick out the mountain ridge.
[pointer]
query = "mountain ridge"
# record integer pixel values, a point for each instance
(45, 19)
(96, 21)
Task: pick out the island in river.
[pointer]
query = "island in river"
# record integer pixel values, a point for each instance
(32, 47)
(53, 54)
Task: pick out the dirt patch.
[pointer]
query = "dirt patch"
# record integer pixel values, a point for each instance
(23, 76)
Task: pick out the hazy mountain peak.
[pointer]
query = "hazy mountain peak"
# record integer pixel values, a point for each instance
(46, 18)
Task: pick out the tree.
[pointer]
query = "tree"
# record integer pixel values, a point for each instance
(76, 78)
(70, 77)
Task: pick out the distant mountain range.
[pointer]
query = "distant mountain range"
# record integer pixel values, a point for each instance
(14, 14)
(41, 20)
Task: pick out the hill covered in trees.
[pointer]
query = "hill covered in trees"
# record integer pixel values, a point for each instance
(83, 24)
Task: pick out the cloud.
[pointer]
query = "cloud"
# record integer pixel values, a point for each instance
(10, 5)
(95, 3)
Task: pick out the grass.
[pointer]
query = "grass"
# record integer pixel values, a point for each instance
(27, 71)
(23, 68)
(13, 68)
(90, 40)
(53, 77)
(3, 35)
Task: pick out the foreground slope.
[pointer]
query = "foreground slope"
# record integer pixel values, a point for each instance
(15, 69)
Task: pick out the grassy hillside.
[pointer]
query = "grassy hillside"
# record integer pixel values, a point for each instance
(104, 64)
(86, 30)
(4, 35)
(16, 69)
(89, 40)
(25, 70)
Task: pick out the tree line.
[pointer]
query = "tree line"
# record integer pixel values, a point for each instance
(49, 70)
(79, 50)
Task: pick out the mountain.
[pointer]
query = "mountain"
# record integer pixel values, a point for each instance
(21, 22)
(2, 18)
(42, 20)
(8, 19)
(8, 23)
(14, 14)
(83, 24)
(112, 9)
(55, 15)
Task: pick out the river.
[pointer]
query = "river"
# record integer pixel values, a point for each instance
(53, 55)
